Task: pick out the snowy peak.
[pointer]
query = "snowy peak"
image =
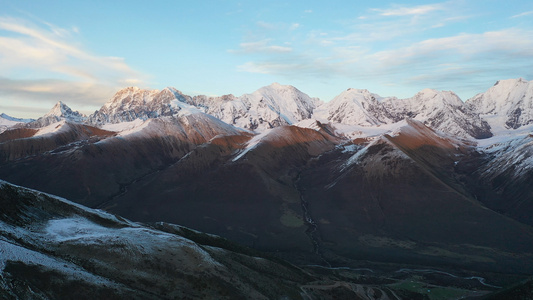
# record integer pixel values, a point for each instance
(423, 105)
(61, 110)
(355, 107)
(268, 107)
(8, 121)
(506, 105)
(134, 103)
(128, 97)
(284, 102)
(437, 99)
(441, 110)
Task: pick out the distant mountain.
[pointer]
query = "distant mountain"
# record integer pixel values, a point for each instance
(60, 112)
(6, 120)
(270, 106)
(506, 105)
(427, 180)
(355, 107)
(133, 103)
(442, 111)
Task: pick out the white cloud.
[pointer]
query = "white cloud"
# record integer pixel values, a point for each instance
(454, 59)
(409, 11)
(526, 13)
(397, 46)
(507, 42)
(33, 97)
(43, 61)
(294, 26)
(262, 46)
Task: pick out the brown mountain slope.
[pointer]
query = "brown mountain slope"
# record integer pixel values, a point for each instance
(90, 169)
(241, 190)
(402, 203)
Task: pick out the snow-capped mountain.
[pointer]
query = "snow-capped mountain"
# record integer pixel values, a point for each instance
(59, 112)
(359, 178)
(134, 103)
(354, 107)
(506, 105)
(268, 107)
(8, 121)
(440, 110)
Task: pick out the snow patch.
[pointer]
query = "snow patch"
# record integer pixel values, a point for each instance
(52, 128)
(123, 126)
(251, 144)
(12, 252)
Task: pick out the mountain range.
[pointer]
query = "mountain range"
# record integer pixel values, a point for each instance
(362, 181)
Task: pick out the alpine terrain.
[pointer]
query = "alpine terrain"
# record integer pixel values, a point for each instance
(278, 195)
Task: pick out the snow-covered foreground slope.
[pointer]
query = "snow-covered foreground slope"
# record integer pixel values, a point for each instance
(52, 248)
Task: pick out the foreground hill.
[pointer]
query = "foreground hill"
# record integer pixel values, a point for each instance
(52, 248)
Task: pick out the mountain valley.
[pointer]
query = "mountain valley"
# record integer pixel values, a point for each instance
(341, 195)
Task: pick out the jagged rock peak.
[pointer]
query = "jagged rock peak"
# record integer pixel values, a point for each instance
(133, 103)
(60, 109)
(60, 112)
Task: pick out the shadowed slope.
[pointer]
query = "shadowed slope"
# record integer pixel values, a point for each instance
(397, 200)
(91, 169)
(51, 248)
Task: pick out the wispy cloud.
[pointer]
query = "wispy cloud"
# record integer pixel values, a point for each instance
(32, 97)
(262, 46)
(38, 59)
(409, 11)
(86, 94)
(458, 59)
(508, 43)
(526, 13)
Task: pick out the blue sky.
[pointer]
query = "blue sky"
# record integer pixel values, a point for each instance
(82, 52)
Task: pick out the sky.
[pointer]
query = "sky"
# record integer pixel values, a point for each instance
(82, 52)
